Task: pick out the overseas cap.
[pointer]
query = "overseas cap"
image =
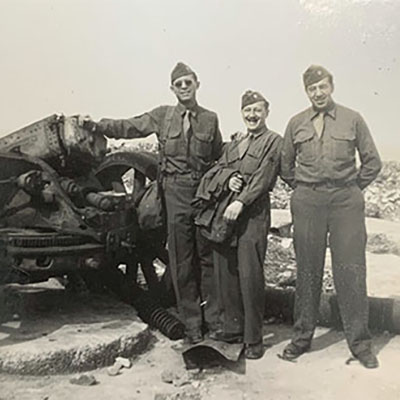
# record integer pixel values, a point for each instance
(250, 97)
(315, 73)
(181, 69)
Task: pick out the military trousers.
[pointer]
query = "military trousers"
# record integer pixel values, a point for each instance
(190, 256)
(323, 214)
(239, 275)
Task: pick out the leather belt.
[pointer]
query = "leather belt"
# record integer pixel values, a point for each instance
(330, 183)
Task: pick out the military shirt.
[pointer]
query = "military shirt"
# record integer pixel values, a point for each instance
(259, 165)
(181, 155)
(332, 157)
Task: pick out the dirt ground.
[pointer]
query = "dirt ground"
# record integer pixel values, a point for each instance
(320, 374)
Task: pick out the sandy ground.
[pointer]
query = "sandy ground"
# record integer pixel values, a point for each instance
(320, 374)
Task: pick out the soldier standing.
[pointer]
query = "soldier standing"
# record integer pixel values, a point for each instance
(250, 166)
(319, 162)
(190, 142)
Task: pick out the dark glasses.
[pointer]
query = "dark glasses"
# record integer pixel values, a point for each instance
(187, 83)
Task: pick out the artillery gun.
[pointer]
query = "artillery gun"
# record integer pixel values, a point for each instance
(65, 211)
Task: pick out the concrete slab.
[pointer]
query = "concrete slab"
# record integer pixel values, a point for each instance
(280, 218)
(383, 270)
(391, 229)
(54, 331)
(383, 275)
(321, 374)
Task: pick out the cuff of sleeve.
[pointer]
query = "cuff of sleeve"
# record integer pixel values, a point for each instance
(242, 199)
(362, 185)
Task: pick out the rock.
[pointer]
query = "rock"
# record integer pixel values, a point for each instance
(287, 278)
(379, 243)
(177, 378)
(115, 369)
(125, 362)
(182, 380)
(196, 384)
(161, 396)
(84, 380)
(168, 376)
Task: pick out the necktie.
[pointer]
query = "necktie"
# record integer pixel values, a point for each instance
(318, 122)
(186, 124)
(244, 145)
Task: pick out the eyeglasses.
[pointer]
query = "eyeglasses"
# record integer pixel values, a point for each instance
(187, 83)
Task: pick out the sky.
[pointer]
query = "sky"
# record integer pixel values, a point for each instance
(112, 58)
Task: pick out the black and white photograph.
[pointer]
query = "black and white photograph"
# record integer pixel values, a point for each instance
(199, 199)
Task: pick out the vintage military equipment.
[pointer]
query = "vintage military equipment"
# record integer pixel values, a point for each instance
(65, 210)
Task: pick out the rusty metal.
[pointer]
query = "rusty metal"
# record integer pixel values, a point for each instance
(64, 210)
(384, 313)
(229, 351)
(57, 198)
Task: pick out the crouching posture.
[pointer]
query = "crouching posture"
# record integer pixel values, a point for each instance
(236, 217)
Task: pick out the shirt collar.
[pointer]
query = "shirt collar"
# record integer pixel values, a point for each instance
(182, 109)
(257, 134)
(331, 112)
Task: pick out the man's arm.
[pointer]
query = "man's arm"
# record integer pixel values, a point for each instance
(131, 128)
(288, 158)
(370, 160)
(217, 143)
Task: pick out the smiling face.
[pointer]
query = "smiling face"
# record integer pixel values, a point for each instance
(254, 116)
(320, 94)
(185, 89)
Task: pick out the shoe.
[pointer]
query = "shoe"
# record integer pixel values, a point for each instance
(291, 352)
(230, 338)
(254, 351)
(193, 338)
(368, 360)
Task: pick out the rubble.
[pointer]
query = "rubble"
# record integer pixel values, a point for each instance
(181, 395)
(379, 243)
(280, 265)
(84, 380)
(177, 378)
(382, 197)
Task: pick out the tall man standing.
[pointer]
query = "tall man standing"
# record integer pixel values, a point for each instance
(190, 142)
(319, 162)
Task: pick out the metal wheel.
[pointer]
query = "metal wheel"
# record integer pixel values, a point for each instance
(140, 167)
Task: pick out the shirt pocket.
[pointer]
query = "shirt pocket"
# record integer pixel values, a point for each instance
(343, 145)
(305, 146)
(173, 143)
(232, 154)
(250, 163)
(202, 144)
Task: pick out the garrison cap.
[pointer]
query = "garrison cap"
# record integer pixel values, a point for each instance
(180, 70)
(250, 97)
(314, 74)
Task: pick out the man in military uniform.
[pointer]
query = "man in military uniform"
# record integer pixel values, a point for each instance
(190, 142)
(319, 162)
(253, 162)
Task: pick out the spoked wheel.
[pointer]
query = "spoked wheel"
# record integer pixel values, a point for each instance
(129, 173)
